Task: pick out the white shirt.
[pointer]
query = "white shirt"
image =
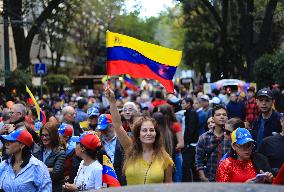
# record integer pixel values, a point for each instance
(89, 177)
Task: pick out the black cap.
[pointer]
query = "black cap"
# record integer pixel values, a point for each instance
(265, 92)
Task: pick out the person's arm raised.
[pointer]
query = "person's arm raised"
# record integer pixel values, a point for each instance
(121, 134)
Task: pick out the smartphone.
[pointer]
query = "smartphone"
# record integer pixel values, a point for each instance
(260, 177)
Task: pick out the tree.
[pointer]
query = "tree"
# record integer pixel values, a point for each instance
(23, 44)
(88, 37)
(243, 30)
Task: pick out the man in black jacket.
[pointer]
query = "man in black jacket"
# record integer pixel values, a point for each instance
(191, 134)
(269, 120)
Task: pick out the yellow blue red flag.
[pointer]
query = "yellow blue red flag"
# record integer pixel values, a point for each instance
(109, 175)
(127, 55)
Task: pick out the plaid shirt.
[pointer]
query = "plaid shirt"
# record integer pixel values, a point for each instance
(206, 143)
(252, 110)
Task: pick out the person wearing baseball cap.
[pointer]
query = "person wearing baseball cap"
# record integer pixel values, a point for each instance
(93, 114)
(269, 120)
(243, 165)
(112, 145)
(89, 175)
(65, 132)
(33, 175)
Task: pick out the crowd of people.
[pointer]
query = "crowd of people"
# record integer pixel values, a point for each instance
(148, 136)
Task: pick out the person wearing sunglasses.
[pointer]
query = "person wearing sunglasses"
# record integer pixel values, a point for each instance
(52, 155)
(243, 165)
(22, 171)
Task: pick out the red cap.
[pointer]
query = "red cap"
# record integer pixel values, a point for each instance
(89, 140)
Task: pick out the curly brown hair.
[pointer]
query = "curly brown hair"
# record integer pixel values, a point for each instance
(136, 150)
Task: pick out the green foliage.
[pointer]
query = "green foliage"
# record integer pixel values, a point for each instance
(18, 80)
(56, 79)
(132, 25)
(269, 69)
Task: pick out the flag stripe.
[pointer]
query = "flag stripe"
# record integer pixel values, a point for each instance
(132, 56)
(109, 171)
(35, 103)
(130, 86)
(110, 181)
(137, 71)
(154, 52)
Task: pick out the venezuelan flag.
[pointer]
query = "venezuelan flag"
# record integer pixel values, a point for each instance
(109, 175)
(130, 84)
(127, 55)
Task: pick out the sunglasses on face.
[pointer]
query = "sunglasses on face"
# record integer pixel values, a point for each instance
(45, 135)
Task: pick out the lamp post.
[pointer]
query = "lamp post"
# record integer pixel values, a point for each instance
(6, 36)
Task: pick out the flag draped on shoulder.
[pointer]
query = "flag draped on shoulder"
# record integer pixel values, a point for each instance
(109, 175)
(127, 55)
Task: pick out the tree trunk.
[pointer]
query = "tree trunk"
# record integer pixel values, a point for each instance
(34, 30)
(16, 19)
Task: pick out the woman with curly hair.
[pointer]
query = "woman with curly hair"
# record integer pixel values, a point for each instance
(146, 159)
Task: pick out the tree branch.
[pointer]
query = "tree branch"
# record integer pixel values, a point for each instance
(213, 12)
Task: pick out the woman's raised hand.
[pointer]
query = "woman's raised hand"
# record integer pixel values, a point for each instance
(109, 94)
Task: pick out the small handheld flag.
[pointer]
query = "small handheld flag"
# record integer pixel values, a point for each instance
(109, 175)
(127, 55)
(130, 84)
(35, 103)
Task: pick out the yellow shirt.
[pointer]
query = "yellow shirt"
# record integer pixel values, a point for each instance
(136, 172)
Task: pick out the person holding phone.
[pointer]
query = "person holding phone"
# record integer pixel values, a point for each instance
(243, 166)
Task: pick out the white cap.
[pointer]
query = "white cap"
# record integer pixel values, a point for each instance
(205, 97)
(215, 100)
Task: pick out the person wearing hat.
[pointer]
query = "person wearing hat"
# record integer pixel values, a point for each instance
(65, 133)
(269, 120)
(112, 145)
(22, 170)
(89, 175)
(243, 165)
(251, 108)
(93, 114)
(204, 102)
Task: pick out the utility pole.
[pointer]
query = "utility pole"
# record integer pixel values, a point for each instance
(6, 36)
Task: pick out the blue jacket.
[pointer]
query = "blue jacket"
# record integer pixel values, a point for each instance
(270, 126)
(33, 177)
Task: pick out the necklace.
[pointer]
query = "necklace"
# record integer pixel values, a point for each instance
(146, 173)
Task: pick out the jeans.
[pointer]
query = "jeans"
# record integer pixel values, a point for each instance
(177, 177)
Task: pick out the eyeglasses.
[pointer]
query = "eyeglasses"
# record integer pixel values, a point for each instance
(247, 146)
(12, 113)
(45, 135)
(130, 109)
